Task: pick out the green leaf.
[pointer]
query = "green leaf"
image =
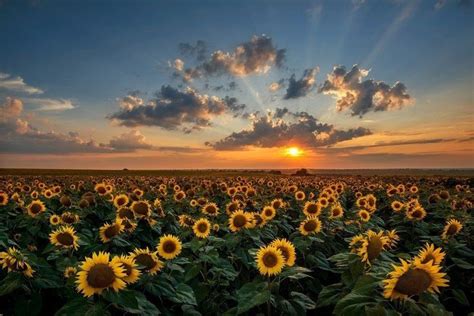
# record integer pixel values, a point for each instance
(329, 295)
(303, 300)
(251, 295)
(459, 296)
(76, 307)
(463, 264)
(184, 294)
(10, 283)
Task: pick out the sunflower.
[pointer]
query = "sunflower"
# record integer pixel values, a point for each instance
(277, 203)
(356, 242)
(270, 260)
(364, 215)
(210, 209)
(108, 231)
(36, 207)
(311, 225)
(141, 208)
(268, 213)
(121, 200)
(202, 228)
(14, 261)
(3, 198)
(129, 225)
(312, 208)
(148, 261)
(169, 247)
(336, 212)
(416, 214)
(300, 196)
(64, 237)
(287, 250)
(55, 220)
(239, 220)
(180, 195)
(125, 212)
(393, 238)
(69, 218)
(185, 221)
(232, 207)
(429, 253)
(70, 272)
(101, 189)
(451, 228)
(413, 278)
(372, 245)
(99, 273)
(132, 274)
(396, 206)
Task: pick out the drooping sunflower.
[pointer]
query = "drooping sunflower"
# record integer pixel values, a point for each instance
(364, 215)
(169, 247)
(125, 212)
(141, 208)
(132, 273)
(121, 200)
(3, 198)
(430, 253)
(99, 273)
(185, 221)
(210, 209)
(413, 278)
(312, 208)
(147, 261)
(268, 213)
(14, 261)
(417, 214)
(202, 228)
(311, 225)
(287, 250)
(393, 238)
(69, 218)
(55, 220)
(128, 225)
(239, 220)
(70, 272)
(372, 245)
(64, 237)
(36, 207)
(110, 230)
(270, 260)
(451, 228)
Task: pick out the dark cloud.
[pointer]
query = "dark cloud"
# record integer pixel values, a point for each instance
(253, 57)
(362, 96)
(174, 109)
(231, 86)
(130, 141)
(272, 131)
(396, 143)
(198, 50)
(301, 87)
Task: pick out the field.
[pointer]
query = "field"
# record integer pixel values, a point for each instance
(236, 242)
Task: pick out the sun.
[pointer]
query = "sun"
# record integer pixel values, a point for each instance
(294, 152)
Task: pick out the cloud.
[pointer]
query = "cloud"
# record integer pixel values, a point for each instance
(178, 64)
(397, 143)
(198, 50)
(275, 86)
(12, 107)
(272, 131)
(362, 96)
(173, 109)
(17, 84)
(43, 104)
(256, 56)
(301, 87)
(130, 101)
(129, 141)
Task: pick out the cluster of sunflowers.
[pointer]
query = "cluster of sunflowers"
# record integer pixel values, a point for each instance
(215, 245)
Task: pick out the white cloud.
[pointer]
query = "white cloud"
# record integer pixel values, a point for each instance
(17, 84)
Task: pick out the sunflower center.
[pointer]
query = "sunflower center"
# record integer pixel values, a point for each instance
(276, 204)
(35, 208)
(374, 248)
(100, 276)
(336, 212)
(68, 219)
(240, 221)
(127, 268)
(310, 226)
(211, 209)
(145, 260)
(125, 212)
(270, 260)
(268, 212)
(65, 239)
(202, 227)
(112, 231)
(312, 209)
(452, 229)
(413, 282)
(141, 208)
(101, 190)
(121, 201)
(169, 246)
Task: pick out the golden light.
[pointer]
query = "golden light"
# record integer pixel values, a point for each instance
(294, 152)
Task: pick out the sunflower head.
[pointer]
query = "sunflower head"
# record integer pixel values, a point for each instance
(110, 230)
(364, 215)
(132, 273)
(141, 208)
(55, 220)
(210, 209)
(98, 273)
(451, 228)
(35, 208)
(147, 261)
(239, 220)
(64, 237)
(121, 200)
(287, 250)
(70, 272)
(270, 260)
(169, 247)
(336, 212)
(372, 246)
(312, 208)
(13, 260)
(430, 253)
(300, 196)
(311, 225)
(202, 228)
(268, 213)
(413, 278)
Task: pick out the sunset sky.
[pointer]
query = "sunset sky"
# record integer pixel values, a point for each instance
(234, 84)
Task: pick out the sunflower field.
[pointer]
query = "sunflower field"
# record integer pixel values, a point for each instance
(268, 245)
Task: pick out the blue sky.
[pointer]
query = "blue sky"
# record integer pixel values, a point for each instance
(92, 53)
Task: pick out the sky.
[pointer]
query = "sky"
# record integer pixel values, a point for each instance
(235, 84)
